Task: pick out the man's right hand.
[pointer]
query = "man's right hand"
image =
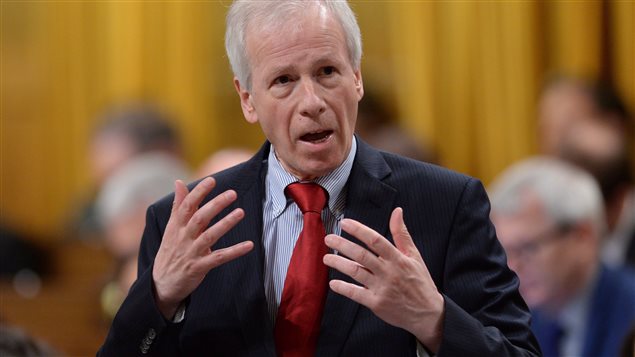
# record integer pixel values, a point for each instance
(185, 255)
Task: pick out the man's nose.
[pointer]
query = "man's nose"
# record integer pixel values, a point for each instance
(311, 103)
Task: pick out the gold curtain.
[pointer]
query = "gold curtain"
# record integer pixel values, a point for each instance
(469, 72)
(461, 75)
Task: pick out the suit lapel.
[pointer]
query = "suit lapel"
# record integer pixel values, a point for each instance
(250, 301)
(369, 201)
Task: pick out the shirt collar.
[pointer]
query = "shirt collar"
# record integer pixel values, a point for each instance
(278, 179)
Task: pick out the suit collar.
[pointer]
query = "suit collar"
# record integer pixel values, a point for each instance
(370, 201)
(250, 301)
(277, 179)
(370, 161)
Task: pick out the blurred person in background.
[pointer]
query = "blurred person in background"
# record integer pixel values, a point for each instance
(123, 132)
(564, 102)
(121, 210)
(19, 252)
(589, 125)
(15, 342)
(221, 160)
(549, 217)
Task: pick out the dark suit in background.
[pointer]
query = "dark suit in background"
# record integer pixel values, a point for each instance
(447, 215)
(609, 317)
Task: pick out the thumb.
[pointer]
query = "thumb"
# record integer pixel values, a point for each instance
(400, 234)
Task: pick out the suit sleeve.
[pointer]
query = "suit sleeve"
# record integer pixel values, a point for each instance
(484, 312)
(139, 328)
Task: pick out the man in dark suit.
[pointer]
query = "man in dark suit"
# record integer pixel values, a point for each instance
(550, 219)
(221, 260)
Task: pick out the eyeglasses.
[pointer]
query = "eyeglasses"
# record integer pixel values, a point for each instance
(532, 246)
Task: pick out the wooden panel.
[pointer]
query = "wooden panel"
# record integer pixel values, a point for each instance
(66, 313)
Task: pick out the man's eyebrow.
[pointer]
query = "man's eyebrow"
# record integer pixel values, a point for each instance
(327, 59)
(288, 68)
(278, 70)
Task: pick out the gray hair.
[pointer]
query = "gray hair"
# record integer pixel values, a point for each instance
(569, 194)
(141, 181)
(243, 13)
(146, 126)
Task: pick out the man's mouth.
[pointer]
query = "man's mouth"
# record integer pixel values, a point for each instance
(317, 137)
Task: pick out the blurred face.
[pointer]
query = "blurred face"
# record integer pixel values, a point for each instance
(304, 92)
(561, 108)
(541, 254)
(596, 139)
(108, 152)
(124, 231)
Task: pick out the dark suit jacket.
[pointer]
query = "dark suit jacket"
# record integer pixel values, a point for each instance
(448, 217)
(610, 316)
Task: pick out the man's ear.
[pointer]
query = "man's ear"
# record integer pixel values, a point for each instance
(246, 102)
(359, 84)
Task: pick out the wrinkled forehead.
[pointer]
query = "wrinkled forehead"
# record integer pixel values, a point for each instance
(313, 25)
(287, 20)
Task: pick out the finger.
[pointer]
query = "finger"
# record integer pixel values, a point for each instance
(373, 240)
(192, 200)
(201, 218)
(350, 268)
(359, 294)
(224, 255)
(180, 191)
(403, 240)
(353, 251)
(208, 238)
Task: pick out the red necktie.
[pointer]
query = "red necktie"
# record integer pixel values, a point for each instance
(304, 293)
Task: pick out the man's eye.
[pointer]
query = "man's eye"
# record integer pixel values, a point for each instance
(282, 80)
(328, 70)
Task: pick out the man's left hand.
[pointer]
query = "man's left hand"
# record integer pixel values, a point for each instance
(396, 284)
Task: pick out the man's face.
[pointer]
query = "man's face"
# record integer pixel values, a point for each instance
(561, 108)
(304, 92)
(539, 253)
(108, 152)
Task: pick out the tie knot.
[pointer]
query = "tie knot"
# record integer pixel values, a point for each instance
(309, 196)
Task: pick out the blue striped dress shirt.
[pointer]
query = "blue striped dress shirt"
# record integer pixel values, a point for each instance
(282, 220)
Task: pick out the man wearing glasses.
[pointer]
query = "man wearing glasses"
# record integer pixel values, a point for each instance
(550, 219)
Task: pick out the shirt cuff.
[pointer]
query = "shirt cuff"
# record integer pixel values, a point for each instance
(179, 316)
(422, 351)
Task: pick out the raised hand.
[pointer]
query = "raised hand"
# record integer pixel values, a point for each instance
(396, 284)
(185, 255)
